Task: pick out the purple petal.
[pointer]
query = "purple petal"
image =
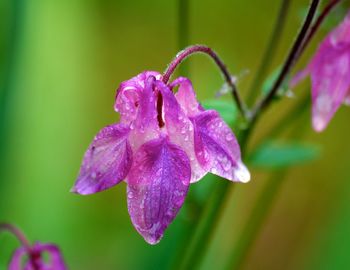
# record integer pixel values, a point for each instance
(16, 260)
(341, 35)
(217, 148)
(180, 130)
(145, 127)
(330, 75)
(55, 261)
(186, 96)
(106, 162)
(157, 186)
(129, 95)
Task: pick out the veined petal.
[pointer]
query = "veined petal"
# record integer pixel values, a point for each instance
(129, 94)
(186, 96)
(217, 148)
(180, 130)
(157, 186)
(16, 260)
(106, 162)
(330, 76)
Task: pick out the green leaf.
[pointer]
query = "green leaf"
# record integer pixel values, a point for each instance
(280, 155)
(226, 109)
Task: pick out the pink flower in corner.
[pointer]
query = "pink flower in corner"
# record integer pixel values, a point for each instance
(35, 259)
(163, 143)
(330, 75)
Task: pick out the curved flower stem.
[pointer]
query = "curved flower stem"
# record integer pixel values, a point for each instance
(16, 232)
(270, 50)
(262, 105)
(181, 56)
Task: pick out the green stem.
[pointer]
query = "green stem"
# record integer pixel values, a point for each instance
(256, 220)
(209, 220)
(270, 51)
(204, 230)
(262, 206)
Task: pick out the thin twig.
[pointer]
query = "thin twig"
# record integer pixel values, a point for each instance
(206, 50)
(262, 105)
(16, 232)
(316, 26)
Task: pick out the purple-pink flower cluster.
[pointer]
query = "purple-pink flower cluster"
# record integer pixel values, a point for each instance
(163, 142)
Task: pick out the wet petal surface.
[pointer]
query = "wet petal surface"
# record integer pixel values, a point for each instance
(217, 148)
(106, 162)
(330, 76)
(129, 95)
(186, 96)
(157, 187)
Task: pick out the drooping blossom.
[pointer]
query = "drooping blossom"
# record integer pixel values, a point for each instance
(33, 259)
(330, 75)
(163, 142)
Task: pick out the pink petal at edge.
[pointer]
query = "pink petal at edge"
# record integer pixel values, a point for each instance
(106, 162)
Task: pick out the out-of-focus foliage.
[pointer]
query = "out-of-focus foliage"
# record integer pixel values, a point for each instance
(226, 109)
(273, 155)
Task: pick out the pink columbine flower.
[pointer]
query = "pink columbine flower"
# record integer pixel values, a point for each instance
(34, 258)
(330, 75)
(163, 143)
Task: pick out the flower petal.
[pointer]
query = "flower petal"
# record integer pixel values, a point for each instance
(186, 96)
(341, 34)
(129, 94)
(106, 162)
(180, 130)
(330, 75)
(55, 261)
(217, 148)
(157, 186)
(145, 127)
(16, 260)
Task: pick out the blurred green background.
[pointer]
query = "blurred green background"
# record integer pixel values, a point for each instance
(60, 63)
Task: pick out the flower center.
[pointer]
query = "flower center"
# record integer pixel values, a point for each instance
(160, 110)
